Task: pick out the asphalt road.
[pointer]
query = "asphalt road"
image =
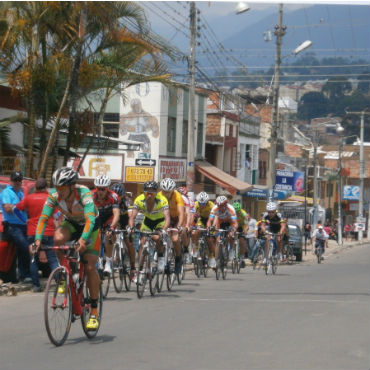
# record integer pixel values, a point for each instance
(308, 316)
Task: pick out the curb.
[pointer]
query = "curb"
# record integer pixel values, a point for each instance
(10, 289)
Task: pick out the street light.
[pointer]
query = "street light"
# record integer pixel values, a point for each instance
(242, 7)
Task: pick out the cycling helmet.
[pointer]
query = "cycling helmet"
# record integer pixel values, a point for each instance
(221, 200)
(151, 186)
(167, 184)
(118, 188)
(237, 206)
(102, 181)
(183, 190)
(202, 197)
(271, 206)
(65, 176)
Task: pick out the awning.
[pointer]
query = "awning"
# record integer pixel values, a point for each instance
(226, 181)
(301, 199)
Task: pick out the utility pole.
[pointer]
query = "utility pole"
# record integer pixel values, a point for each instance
(315, 143)
(362, 171)
(190, 169)
(340, 223)
(279, 33)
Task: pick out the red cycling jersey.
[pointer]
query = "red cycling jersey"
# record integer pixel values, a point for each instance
(106, 206)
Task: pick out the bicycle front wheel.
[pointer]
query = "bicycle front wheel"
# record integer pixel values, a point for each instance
(117, 268)
(86, 309)
(126, 271)
(142, 277)
(57, 307)
(153, 280)
(171, 276)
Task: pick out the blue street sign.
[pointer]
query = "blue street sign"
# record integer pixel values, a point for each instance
(351, 192)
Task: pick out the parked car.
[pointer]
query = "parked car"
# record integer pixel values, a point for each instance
(295, 239)
(28, 187)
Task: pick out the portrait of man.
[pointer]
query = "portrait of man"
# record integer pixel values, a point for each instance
(138, 123)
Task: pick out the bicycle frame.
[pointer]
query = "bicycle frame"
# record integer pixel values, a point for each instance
(77, 293)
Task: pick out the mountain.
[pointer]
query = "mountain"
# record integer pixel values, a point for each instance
(335, 30)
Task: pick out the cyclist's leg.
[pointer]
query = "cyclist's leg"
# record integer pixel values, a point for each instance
(108, 249)
(212, 243)
(62, 235)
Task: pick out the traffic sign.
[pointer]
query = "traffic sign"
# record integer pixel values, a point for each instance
(139, 174)
(145, 162)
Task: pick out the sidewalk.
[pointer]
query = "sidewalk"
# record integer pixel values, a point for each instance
(333, 248)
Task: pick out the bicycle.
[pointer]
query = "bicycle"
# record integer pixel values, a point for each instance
(288, 252)
(235, 262)
(147, 265)
(271, 259)
(104, 277)
(223, 254)
(121, 263)
(319, 246)
(259, 255)
(61, 309)
(170, 261)
(200, 260)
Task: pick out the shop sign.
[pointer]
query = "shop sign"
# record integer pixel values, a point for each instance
(173, 168)
(139, 174)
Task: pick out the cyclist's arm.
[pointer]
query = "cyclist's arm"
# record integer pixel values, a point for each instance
(116, 216)
(181, 213)
(167, 219)
(90, 214)
(132, 215)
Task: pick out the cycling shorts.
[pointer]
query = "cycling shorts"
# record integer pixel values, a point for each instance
(151, 225)
(93, 244)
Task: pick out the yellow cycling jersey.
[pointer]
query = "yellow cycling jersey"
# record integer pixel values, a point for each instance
(160, 205)
(175, 201)
(205, 211)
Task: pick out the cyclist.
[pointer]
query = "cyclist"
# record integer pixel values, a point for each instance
(319, 239)
(125, 207)
(243, 218)
(154, 207)
(203, 207)
(189, 216)
(77, 205)
(177, 213)
(276, 225)
(107, 203)
(222, 216)
(260, 237)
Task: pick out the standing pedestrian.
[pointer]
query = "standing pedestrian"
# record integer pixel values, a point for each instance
(252, 224)
(307, 232)
(33, 205)
(15, 226)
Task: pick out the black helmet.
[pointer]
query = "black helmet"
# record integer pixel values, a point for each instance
(65, 176)
(151, 185)
(118, 188)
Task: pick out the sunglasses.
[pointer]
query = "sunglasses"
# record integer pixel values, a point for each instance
(62, 187)
(149, 192)
(102, 189)
(202, 204)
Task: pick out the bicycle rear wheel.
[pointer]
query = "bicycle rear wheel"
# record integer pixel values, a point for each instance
(105, 281)
(289, 254)
(142, 276)
(57, 308)
(197, 267)
(117, 268)
(153, 280)
(86, 309)
(171, 276)
(318, 249)
(126, 271)
(224, 263)
(274, 264)
(234, 263)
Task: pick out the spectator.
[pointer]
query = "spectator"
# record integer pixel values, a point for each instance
(307, 232)
(252, 224)
(347, 231)
(15, 226)
(33, 205)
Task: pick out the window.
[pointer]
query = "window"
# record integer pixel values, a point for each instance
(171, 135)
(108, 117)
(110, 129)
(184, 148)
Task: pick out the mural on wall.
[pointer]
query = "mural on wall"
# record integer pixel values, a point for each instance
(138, 124)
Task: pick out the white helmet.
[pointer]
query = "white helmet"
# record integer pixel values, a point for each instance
(65, 176)
(102, 181)
(221, 200)
(167, 184)
(271, 206)
(202, 197)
